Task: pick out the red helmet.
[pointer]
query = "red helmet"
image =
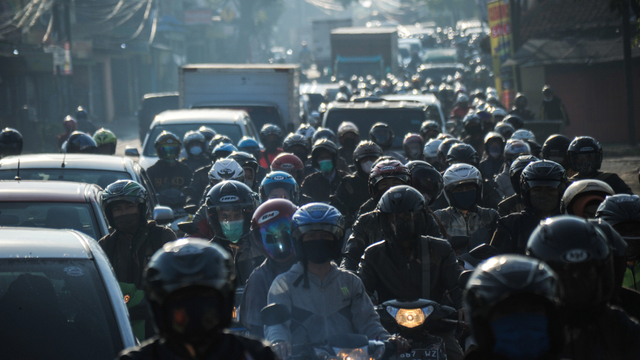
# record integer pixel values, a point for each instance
(387, 169)
(289, 163)
(271, 229)
(413, 144)
(70, 124)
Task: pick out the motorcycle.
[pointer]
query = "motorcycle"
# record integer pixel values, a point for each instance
(236, 326)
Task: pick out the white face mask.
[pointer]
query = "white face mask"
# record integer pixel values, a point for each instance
(196, 150)
(366, 167)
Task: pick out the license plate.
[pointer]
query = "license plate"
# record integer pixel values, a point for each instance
(426, 354)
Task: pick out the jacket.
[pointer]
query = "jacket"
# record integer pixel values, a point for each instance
(513, 231)
(336, 305)
(165, 175)
(632, 277)
(319, 188)
(350, 194)
(505, 189)
(477, 224)
(266, 159)
(510, 205)
(366, 231)
(196, 162)
(523, 113)
(199, 182)
(554, 110)
(386, 270)
(490, 167)
(618, 185)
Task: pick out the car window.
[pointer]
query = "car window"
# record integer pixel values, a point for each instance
(77, 216)
(260, 114)
(56, 309)
(231, 130)
(101, 178)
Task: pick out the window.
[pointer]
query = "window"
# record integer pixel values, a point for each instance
(231, 130)
(101, 178)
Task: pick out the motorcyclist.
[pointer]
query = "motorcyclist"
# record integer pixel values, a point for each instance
(106, 141)
(200, 178)
(585, 156)
(322, 184)
(70, 125)
(10, 142)
(555, 149)
(249, 145)
(208, 134)
(297, 145)
(472, 133)
(413, 145)
(271, 235)
(220, 138)
(504, 129)
(542, 185)
(487, 120)
(281, 185)
(428, 181)
(429, 130)
(290, 164)
(129, 247)
(430, 153)
(250, 167)
(512, 150)
(443, 150)
(493, 158)
(583, 197)
(382, 135)
(463, 190)
(168, 173)
(528, 137)
(84, 124)
(461, 107)
(395, 267)
(384, 174)
(195, 146)
(580, 253)
(552, 107)
(80, 143)
(512, 303)
(513, 203)
(349, 137)
(271, 137)
(190, 287)
(520, 108)
(515, 121)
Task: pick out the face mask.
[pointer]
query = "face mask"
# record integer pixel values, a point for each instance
(495, 152)
(522, 336)
(350, 143)
(544, 202)
(320, 251)
(465, 200)
(232, 230)
(127, 224)
(326, 166)
(196, 150)
(366, 166)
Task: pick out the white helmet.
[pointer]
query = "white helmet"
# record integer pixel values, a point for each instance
(597, 190)
(431, 148)
(461, 174)
(226, 169)
(496, 111)
(524, 135)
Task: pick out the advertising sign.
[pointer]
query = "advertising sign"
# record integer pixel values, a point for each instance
(502, 49)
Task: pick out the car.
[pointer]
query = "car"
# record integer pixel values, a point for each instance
(59, 297)
(434, 108)
(233, 123)
(439, 72)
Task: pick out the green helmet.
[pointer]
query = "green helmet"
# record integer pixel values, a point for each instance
(125, 190)
(106, 141)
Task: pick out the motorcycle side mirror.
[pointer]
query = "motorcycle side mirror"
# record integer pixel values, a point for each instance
(188, 227)
(459, 242)
(274, 314)
(191, 209)
(463, 279)
(131, 151)
(348, 341)
(162, 214)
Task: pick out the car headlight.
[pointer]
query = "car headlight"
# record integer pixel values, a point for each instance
(352, 354)
(410, 318)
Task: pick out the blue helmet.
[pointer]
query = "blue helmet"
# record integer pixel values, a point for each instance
(317, 216)
(248, 144)
(222, 150)
(279, 180)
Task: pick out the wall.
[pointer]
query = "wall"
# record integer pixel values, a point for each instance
(532, 80)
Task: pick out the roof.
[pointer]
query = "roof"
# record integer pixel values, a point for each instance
(375, 105)
(204, 116)
(160, 95)
(43, 243)
(196, 67)
(427, 99)
(72, 161)
(575, 51)
(43, 191)
(365, 30)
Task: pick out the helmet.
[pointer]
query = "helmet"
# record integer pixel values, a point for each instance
(10, 142)
(579, 253)
(222, 150)
(279, 180)
(498, 113)
(401, 214)
(387, 169)
(430, 152)
(521, 101)
(542, 173)
(514, 120)
(461, 174)
(194, 143)
(271, 229)
(426, 179)
(493, 138)
(505, 129)
(106, 141)
(429, 129)
(515, 148)
(506, 280)
(208, 133)
(167, 146)
(324, 145)
(472, 123)
(555, 149)
(70, 124)
(271, 136)
(412, 145)
(81, 114)
(324, 133)
(317, 216)
(524, 135)
(487, 120)
(230, 196)
(585, 155)
(462, 154)
(462, 99)
(81, 143)
(246, 160)
(298, 145)
(583, 193)
(249, 145)
(623, 213)
(125, 190)
(218, 139)
(515, 170)
(289, 163)
(366, 149)
(306, 130)
(226, 169)
(443, 149)
(346, 127)
(382, 135)
(192, 268)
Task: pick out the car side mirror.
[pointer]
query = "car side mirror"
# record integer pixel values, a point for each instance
(274, 314)
(131, 151)
(463, 279)
(163, 214)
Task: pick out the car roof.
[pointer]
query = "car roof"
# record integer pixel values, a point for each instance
(428, 99)
(43, 243)
(375, 105)
(45, 191)
(199, 116)
(71, 161)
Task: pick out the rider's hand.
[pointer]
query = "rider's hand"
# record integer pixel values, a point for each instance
(402, 345)
(282, 349)
(462, 318)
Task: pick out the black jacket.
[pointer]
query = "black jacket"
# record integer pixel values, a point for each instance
(554, 110)
(319, 188)
(386, 270)
(196, 162)
(366, 231)
(618, 185)
(200, 181)
(524, 114)
(513, 231)
(490, 167)
(165, 175)
(510, 205)
(351, 193)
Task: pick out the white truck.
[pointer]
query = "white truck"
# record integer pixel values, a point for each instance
(269, 93)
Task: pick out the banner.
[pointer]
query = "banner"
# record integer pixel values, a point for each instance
(502, 50)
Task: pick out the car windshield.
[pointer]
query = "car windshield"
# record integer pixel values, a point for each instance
(231, 130)
(77, 216)
(402, 121)
(55, 309)
(259, 114)
(438, 74)
(101, 178)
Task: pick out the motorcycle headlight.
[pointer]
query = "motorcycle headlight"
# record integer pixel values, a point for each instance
(352, 354)
(411, 318)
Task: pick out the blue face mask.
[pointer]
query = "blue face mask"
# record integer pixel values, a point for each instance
(196, 150)
(232, 230)
(521, 336)
(495, 151)
(326, 166)
(465, 200)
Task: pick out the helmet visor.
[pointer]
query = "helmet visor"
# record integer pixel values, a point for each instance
(280, 190)
(382, 136)
(400, 227)
(169, 151)
(275, 238)
(586, 162)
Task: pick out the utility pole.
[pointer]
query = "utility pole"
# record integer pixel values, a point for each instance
(62, 37)
(628, 73)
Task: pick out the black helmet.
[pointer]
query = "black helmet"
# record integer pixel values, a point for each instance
(515, 170)
(295, 143)
(324, 133)
(462, 154)
(81, 143)
(622, 212)
(235, 196)
(555, 149)
(579, 253)
(491, 138)
(521, 100)
(168, 146)
(10, 142)
(514, 120)
(472, 123)
(429, 126)
(125, 190)
(183, 271)
(504, 129)
(382, 135)
(401, 214)
(542, 173)
(81, 114)
(585, 155)
(219, 138)
(365, 149)
(512, 280)
(271, 136)
(326, 145)
(443, 149)
(207, 132)
(426, 179)
(246, 160)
